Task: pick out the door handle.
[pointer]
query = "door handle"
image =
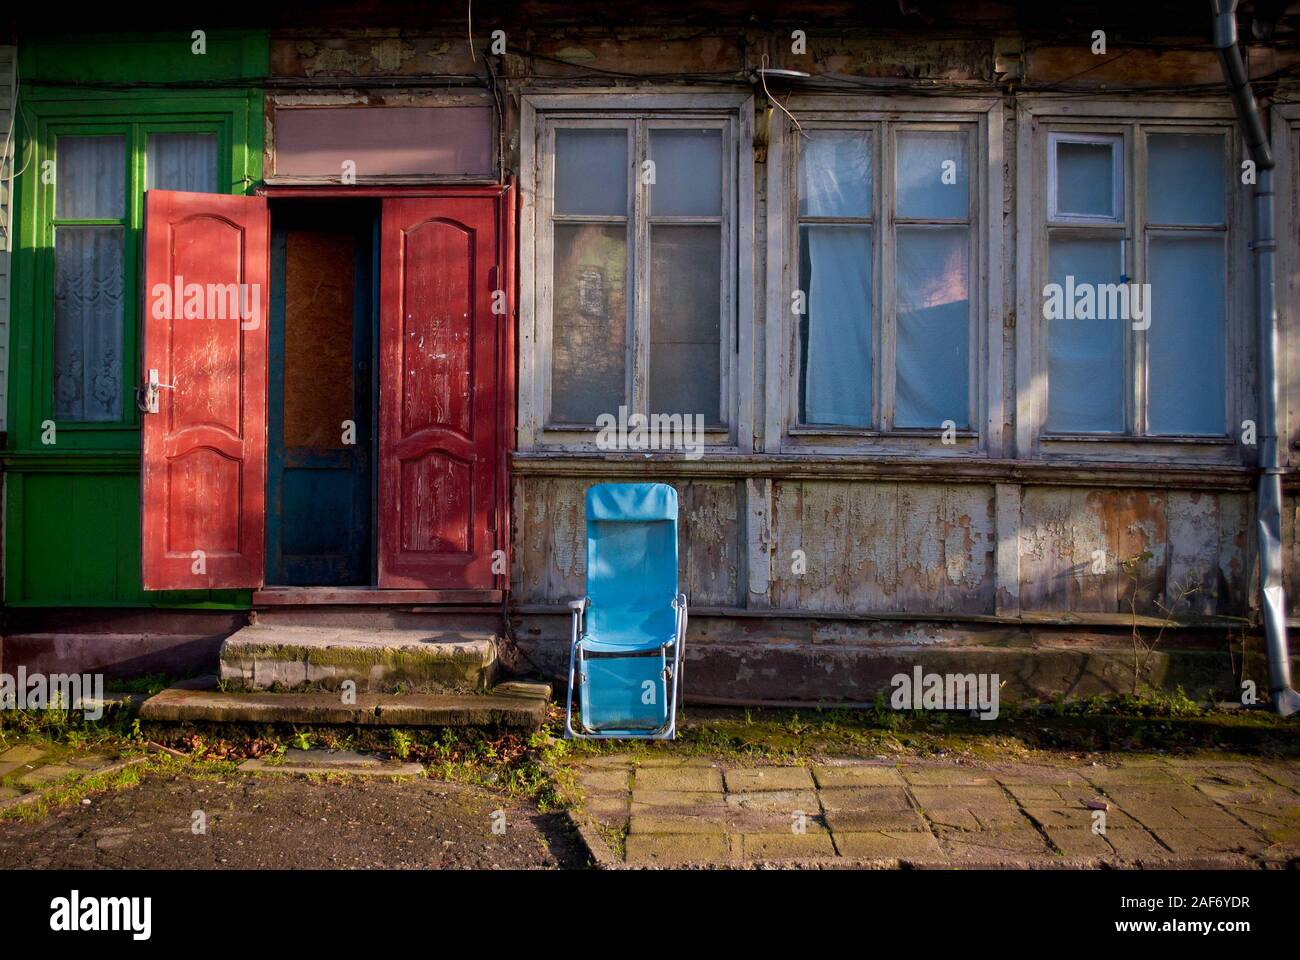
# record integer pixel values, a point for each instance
(147, 396)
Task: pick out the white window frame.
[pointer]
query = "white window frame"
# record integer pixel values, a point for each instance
(784, 433)
(642, 111)
(1039, 122)
(1117, 196)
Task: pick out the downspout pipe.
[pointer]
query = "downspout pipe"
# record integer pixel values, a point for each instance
(1268, 501)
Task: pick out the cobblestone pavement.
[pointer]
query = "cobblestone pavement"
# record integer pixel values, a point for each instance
(1147, 811)
(26, 770)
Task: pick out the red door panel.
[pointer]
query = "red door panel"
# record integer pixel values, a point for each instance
(203, 483)
(439, 392)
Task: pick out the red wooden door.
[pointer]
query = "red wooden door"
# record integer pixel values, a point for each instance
(203, 483)
(439, 389)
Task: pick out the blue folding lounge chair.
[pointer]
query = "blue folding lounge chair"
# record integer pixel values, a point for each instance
(628, 632)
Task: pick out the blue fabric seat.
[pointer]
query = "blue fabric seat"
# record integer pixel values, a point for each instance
(629, 630)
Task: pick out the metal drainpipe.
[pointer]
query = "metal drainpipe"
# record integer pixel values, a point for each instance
(1268, 505)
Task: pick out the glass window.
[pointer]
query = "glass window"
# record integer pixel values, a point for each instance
(927, 237)
(1136, 333)
(1086, 177)
(663, 226)
(181, 161)
(89, 277)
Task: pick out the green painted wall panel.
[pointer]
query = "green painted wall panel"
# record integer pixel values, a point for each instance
(82, 544)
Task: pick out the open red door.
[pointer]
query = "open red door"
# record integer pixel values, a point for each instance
(439, 387)
(203, 401)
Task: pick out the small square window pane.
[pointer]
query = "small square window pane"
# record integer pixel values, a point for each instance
(88, 285)
(835, 272)
(1185, 178)
(1085, 357)
(688, 173)
(835, 174)
(90, 173)
(1185, 379)
(591, 172)
(589, 335)
(933, 173)
(933, 336)
(686, 320)
(1085, 179)
(181, 161)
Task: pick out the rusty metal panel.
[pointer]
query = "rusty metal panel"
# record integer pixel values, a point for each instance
(317, 142)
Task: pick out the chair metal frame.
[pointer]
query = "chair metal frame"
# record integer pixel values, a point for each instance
(671, 674)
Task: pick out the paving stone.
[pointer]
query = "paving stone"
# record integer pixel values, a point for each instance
(1038, 774)
(8, 793)
(948, 776)
(1074, 842)
(611, 781)
(1136, 845)
(787, 846)
(991, 846)
(1025, 793)
(1130, 773)
(1209, 817)
(674, 849)
(46, 774)
(1192, 842)
(956, 818)
(1156, 815)
(667, 823)
(857, 775)
(680, 778)
(896, 845)
(777, 801)
(21, 754)
(1062, 817)
(316, 769)
(946, 798)
(768, 778)
(865, 798)
(644, 800)
(607, 807)
(90, 762)
(1286, 776)
(8, 768)
(871, 821)
(772, 821)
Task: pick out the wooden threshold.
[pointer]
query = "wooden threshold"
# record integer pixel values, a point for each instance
(304, 596)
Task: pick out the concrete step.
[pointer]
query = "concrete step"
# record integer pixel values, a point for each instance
(333, 763)
(176, 704)
(380, 658)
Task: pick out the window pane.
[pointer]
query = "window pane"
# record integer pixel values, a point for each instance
(88, 323)
(835, 174)
(1185, 178)
(685, 320)
(688, 173)
(181, 161)
(933, 336)
(589, 338)
(835, 267)
(926, 188)
(591, 172)
(1085, 179)
(1185, 380)
(91, 177)
(1085, 357)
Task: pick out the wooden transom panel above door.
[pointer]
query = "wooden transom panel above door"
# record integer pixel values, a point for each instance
(440, 386)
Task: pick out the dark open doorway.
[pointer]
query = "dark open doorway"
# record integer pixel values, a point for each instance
(322, 394)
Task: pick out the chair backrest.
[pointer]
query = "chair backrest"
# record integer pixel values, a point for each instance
(631, 551)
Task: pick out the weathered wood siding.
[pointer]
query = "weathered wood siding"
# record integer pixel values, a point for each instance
(867, 547)
(550, 545)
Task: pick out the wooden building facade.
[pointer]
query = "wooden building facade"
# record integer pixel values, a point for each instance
(837, 242)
